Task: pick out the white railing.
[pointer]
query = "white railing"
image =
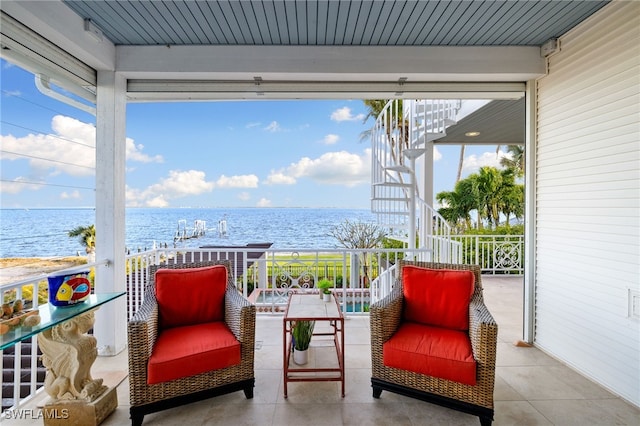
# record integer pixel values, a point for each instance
(429, 118)
(267, 276)
(360, 277)
(390, 184)
(496, 254)
(398, 137)
(435, 234)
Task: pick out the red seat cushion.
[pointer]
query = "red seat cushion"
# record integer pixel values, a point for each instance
(190, 350)
(190, 296)
(432, 351)
(438, 297)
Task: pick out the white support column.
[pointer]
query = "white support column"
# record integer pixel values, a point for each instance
(530, 215)
(426, 228)
(110, 325)
(263, 273)
(412, 205)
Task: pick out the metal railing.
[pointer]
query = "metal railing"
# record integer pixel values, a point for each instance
(496, 254)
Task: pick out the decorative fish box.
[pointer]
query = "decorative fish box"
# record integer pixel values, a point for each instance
(67, 290)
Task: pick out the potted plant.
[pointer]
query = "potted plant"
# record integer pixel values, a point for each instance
(325, 286)
(302, 333)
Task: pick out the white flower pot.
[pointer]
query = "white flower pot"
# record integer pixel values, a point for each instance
(301, 357)
(326, 297)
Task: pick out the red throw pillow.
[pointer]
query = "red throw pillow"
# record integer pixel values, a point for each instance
(438, 297)
(190, 296)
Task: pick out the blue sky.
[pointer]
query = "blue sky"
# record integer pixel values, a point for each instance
(199, 154)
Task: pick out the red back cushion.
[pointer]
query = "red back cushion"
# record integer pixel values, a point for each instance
(190, 296)
(438, 297)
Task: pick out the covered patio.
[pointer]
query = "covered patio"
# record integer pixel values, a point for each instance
(578, 302)
(532, 388)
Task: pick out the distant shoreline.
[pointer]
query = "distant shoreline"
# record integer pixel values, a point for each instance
(22, 268)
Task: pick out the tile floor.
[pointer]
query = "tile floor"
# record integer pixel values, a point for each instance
(531, 387)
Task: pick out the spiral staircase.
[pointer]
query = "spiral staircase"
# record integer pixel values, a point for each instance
(400, 136)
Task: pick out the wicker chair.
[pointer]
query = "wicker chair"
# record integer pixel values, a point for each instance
(386, 316)
(143, 329)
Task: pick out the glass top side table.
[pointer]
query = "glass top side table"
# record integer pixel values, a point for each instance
(51, 316)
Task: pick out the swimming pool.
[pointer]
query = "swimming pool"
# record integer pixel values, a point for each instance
(351, 300)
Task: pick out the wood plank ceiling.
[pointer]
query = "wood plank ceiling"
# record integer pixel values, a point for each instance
(350, 23)
(334, 22)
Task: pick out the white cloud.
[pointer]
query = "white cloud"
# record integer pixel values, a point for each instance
(331, 139)
(185, 183)
(240, 181)
(72, 195)
(69, 150)
(134, 153)
(437, 155)
(344, 114)
(473, 163)
(178, 184)
(158, 201)
(333, 168)
(244, 196)
(17, 185)
(279, 178)
(252, 124)
(263, 202)
(273, 127)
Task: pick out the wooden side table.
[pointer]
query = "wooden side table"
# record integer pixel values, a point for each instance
(309, 307)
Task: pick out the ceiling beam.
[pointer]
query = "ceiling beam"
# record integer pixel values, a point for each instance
(167, 90)
(407, 64)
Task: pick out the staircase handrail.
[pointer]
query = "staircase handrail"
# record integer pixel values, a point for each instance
(389, 135)
(443, 247)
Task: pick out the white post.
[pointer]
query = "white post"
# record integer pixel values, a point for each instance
(262, 272)
(530, 214)
(354, 276)
(412, 205)
(110, 324)
(426, 228)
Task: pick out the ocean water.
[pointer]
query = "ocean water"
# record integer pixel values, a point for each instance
(43, 232)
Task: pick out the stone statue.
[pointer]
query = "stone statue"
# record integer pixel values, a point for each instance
(68, 354)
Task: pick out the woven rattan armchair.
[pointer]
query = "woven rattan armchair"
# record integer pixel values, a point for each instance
(386, 316)
(143, 330)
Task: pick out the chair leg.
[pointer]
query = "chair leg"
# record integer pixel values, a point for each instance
(248, 392)
(377, 391)
(485, 421)
(136, 419)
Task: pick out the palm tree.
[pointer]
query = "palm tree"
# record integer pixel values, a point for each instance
(459, 203)
(460, 162)
(374, 109)
(394, 124)
(489, 181)
(87, 237)
(516, 162)
(512, 202)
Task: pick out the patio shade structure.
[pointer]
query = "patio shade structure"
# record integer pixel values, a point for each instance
(575, 64)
